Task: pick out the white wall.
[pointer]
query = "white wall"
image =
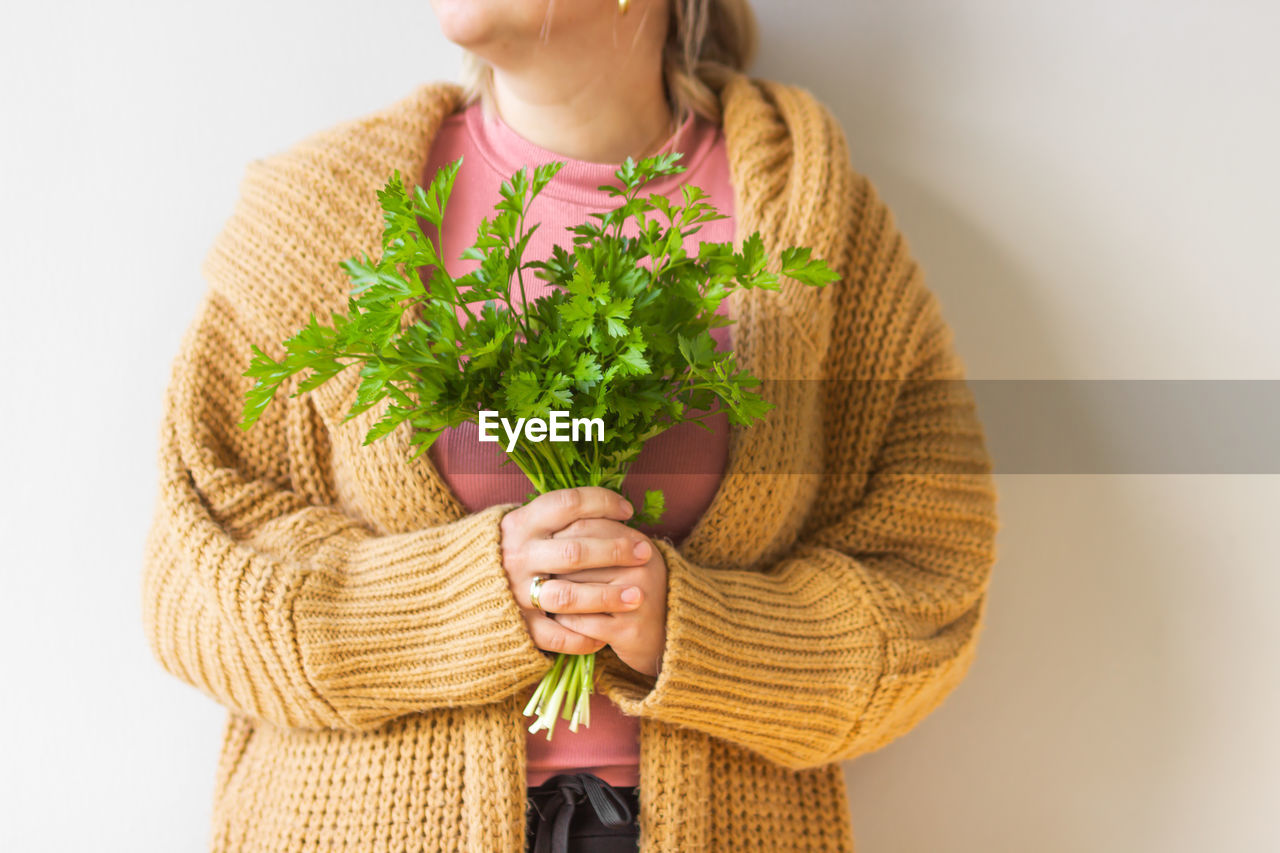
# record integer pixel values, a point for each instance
(1092, 188)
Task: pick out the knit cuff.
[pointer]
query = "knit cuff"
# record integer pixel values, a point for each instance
(767, 662)
(427, 614)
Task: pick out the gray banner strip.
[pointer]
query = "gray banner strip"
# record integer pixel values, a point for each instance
(1131, 426)
(1036, 426)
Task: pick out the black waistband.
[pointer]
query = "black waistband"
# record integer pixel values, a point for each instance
(552, 805)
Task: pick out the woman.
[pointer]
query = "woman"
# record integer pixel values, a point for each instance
(368, 621)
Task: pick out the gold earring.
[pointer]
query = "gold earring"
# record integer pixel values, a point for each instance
(622, 6)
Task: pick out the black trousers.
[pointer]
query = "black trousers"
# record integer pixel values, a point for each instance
(582, 813)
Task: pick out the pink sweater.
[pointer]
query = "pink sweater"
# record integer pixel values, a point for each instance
(686, 462)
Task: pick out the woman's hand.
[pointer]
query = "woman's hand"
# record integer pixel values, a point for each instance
(637, 635)
(529, 549)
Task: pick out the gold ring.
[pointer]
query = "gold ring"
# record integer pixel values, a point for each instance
(535, 588)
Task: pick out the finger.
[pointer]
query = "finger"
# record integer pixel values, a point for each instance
(554, 510)
(607, 529)
(551, 636)
(597, 626)
(623, 576)
(564, 596)
(597, 528)
(556, 556)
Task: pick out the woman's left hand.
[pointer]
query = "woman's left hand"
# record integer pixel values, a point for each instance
(638, 637)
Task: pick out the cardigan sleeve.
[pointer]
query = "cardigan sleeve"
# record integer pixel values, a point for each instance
(872, 617)
(287, 609)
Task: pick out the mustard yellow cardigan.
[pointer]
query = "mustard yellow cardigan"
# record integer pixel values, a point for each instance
(358, 626)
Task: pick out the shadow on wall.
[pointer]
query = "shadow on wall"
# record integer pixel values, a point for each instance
(1071, 715)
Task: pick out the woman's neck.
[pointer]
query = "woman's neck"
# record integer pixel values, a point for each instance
(603, 119)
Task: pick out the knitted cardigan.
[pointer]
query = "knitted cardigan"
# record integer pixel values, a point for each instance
(358, 624)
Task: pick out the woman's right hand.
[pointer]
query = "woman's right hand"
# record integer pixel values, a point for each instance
(528, 551)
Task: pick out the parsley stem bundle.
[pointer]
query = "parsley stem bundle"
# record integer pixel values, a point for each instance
(623, 334)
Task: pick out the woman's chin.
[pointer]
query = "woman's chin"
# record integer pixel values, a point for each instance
(474, 23)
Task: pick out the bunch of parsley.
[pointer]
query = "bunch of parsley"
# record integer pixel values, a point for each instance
(623, 334)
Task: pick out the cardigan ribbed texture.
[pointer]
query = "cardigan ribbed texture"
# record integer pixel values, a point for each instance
(357, 622)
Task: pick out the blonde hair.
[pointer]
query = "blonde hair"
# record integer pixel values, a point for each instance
(707, 41)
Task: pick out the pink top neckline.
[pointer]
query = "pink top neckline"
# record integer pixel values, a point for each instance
(579, 181)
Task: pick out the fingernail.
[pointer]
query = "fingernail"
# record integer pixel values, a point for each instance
(641, 550)
(628, 509)
(631, 595)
